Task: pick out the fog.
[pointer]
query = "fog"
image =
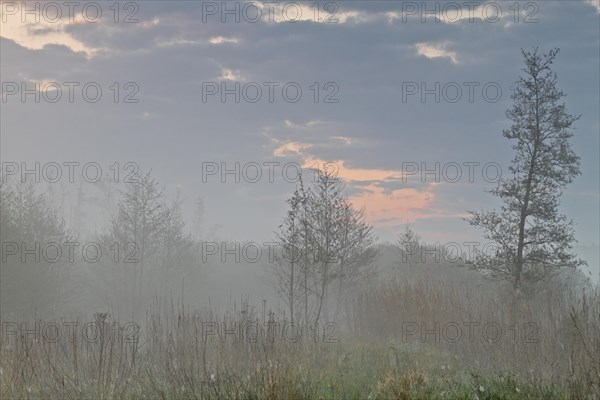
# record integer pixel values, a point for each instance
(296, 200)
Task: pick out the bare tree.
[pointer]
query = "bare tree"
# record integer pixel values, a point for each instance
(306, 250)
(287, 270)
(325, 205)
(323, 239)
(533, 238)
(356, 253)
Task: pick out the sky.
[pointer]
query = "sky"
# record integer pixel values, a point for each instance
(381, 91)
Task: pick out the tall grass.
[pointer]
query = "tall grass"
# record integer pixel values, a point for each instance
(180, 353)
(552, 334)
(177, 353)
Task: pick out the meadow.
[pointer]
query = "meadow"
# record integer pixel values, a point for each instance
(430, 338)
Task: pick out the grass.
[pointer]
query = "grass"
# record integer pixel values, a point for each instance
(178, 355)
(341, 371)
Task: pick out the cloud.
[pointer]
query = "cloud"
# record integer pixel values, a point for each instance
(384, 207)
(291, 148)
(179, 42)
(318, 13)
(230, 75)
(451, 13)
(344, 139)
(436, 50)
(290, 124)
(594, 3)
(350, 174)
(187, 42)
(35, 36)
(356, 16)
(150, 24)
(371, 130)
(41, 85)
(394, 207)
(221, 40)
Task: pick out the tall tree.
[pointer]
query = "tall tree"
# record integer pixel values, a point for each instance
(326, 205)
(533, 238)
(324, 240)
(356, 253)
(287, 269)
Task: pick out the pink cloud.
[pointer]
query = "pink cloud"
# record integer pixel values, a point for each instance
(395, 207)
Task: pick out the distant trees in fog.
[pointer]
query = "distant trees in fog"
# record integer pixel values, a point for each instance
(150, 246)
(28, 281)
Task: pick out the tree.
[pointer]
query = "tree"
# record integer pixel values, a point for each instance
(356, 252)
(325, 205)
(409, 244)
(289, 238)
(36, 271)
(305, 246)
(533, 238)
(147, 242)
(151, 251)
(175, 247)
(199, 218)
(323, 239)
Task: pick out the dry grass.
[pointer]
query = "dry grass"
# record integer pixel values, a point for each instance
(552, 335)
(178, 355)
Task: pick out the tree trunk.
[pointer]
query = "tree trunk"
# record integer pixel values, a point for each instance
(525, 206)
(292, 294)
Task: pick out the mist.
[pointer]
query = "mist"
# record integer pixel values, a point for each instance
(299, 200)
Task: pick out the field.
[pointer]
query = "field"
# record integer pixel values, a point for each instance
(400, 341)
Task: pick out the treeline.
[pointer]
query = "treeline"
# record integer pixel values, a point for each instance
(46, 267)
(145, 252)
(325, 253)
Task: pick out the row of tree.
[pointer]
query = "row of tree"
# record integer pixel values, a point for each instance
(327, 247)
(144, 251)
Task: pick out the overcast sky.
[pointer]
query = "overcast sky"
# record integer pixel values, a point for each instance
(363, 71)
